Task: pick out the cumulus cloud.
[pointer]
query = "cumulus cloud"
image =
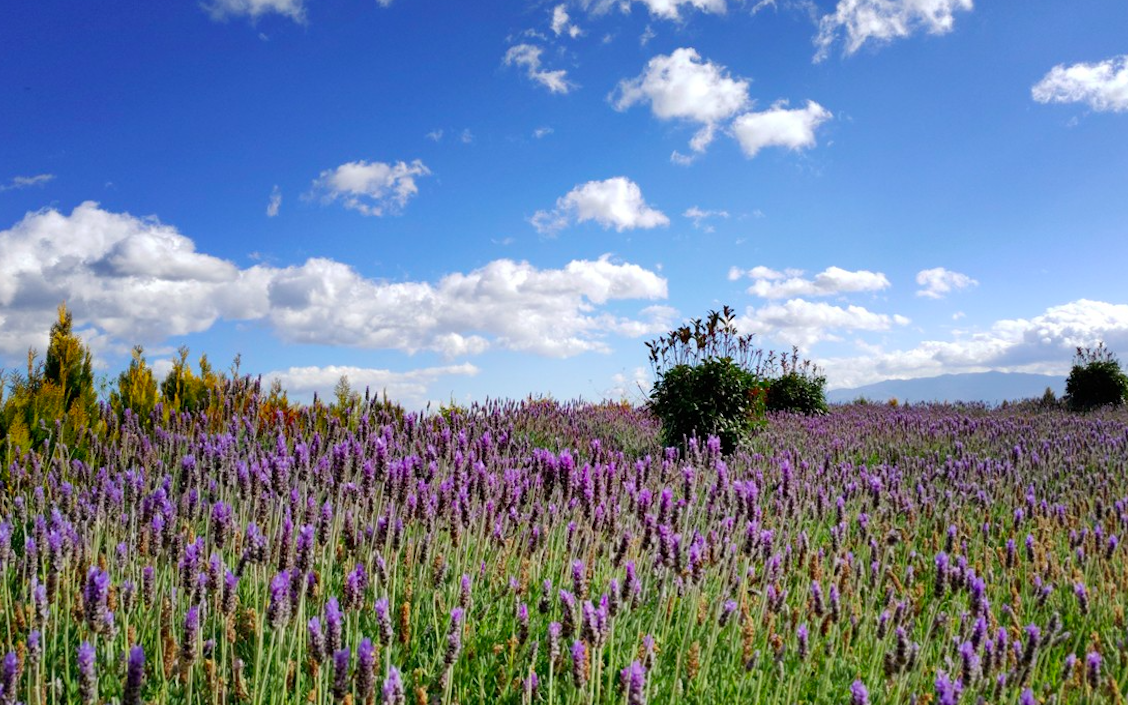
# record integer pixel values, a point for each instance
(832, 281)
(409, 388)
(804, 323)
(371, 188)
(616, 202)
(225, 9)
(562, 23)
(136, 280)
(1043, 344)
(699, 217)
(275, 202)
(1103, 85)
(882, 21)
(939, 282)
(681, 86)
(779, 127)
(528, 57)
(19, 182)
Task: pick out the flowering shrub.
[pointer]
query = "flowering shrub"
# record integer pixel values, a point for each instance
(707, 382)
(1095, 380)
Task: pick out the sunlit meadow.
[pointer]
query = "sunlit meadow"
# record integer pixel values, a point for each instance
(538, 552)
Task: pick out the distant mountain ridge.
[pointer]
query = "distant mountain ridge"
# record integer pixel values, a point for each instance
(988, 387)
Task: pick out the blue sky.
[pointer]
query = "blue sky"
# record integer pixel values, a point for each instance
(468, 200)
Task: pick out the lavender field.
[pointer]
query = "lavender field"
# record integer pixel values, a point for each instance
(555, 553)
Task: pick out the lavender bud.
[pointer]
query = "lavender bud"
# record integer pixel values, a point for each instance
(340, 673)
(87, 678)
(858, 693)
(393, 688)
(365, 670)
(1093, 669)
(134, 675)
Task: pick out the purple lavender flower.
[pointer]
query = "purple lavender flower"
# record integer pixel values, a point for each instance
(341, 673)
(803, 636)
(191, 636)
(87, 678)
(530, 686)
(1082, 597)
(947, 691)
(1033, 639)
(858, 693)
(1093, 669)
(355, 584)
(316, 640)
(454, 638)
(134, 675)
(230, 593)
(304, 558)
(633, 681)
(969, 662)
(464, 592)
(334, 625)
(34, 646)
(94, 597)
(278, 611)
(522, 623)
(554, 633)
(365, 670)
(1027, 698)
(941, 573)
(393, 688)
(1070, 664)
(383, 622)
(727, 611)
(9, 678)
(579, 664)
(579, 580)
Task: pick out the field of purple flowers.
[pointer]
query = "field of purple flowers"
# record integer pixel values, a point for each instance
(554, 553)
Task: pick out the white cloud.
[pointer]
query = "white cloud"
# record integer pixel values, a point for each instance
(223, 9)
(1044, 344)
(133, 279)
(683, 87)
(1103, 85)
(275, 202)
(939, 282)
(562, 23)
(528, 57)
(136, 280)
(435, 135)
(633, 386)
(804, 323)
(19, 182)
(699, 216)
(883, 21)
(779, 127)
(832, 281)
(616, 202)
(372, 188)
(408, 388)
(542, 132)
(666, 9)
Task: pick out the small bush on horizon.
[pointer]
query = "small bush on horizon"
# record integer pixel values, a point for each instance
(1096, 380)
(799, 389)
(709, 381)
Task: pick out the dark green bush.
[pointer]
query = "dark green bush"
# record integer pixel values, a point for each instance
(1095, 380)
(714, 397)
(708, 382)
(797, 392)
